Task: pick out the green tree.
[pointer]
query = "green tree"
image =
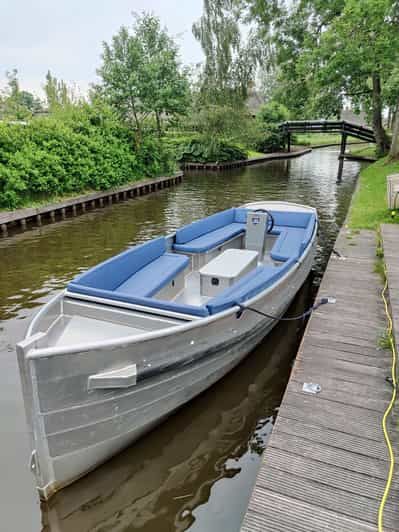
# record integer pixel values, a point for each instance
(141, 75)
(17, 104)
(287, 30)
(230, 63)
(355, 58)
(57, 92)
(327, 52)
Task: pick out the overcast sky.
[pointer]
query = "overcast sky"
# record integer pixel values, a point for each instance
(65, 36)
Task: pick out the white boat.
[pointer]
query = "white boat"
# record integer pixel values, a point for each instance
(134, 338)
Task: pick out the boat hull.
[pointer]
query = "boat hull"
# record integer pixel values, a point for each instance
(74, 429)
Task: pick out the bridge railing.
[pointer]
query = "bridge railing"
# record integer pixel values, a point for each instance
(328, 126)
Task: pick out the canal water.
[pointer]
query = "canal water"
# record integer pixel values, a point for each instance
(196, 471)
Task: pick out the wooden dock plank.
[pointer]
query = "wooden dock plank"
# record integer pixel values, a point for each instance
(285, 514)
(326, 462)
(332, 437)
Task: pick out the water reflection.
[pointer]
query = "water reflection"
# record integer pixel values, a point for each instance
(161, 483)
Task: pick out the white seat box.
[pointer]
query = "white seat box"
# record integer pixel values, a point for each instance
(225, 269)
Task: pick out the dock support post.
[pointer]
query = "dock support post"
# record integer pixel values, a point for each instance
(23, 224)
(4, 229)
(63, 213)
(52, 216)
(83, 205)
(38, 220)
(93, 204)
(74, 210)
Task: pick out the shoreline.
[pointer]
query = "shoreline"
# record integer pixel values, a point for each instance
(246, 162)
(9, 219)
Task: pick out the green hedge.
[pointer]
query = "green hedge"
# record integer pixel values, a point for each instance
(82, 149)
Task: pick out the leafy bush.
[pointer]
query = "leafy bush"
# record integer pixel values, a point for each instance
(270, 116)
(80, 148)
(204, 150)
(273, 113)
(272, 140)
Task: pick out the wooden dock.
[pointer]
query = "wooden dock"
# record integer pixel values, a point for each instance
(79, 204)
(326, 463)
(299, 150)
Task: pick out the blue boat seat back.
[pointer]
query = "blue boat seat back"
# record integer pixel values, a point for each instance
(240, 215)
(208, 233)
(308, 234)
(206, 225)
(249, 286)
(150, 279)
(113, 272)
(211, 240)
(292, 219)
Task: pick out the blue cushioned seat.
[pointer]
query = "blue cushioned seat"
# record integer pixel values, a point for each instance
(150, 279)
(288, 244)
(113, 272)
(292, 241)
(208, 233)
(134, 275)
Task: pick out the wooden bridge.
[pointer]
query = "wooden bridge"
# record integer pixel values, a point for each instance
(346, 129)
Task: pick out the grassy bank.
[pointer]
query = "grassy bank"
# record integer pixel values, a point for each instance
(369, 206)
(325, 139)
(317, 139)
(366, 150)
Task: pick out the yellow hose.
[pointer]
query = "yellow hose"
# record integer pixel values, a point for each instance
(389, 408)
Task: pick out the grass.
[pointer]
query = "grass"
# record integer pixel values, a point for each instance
(316, 139)
(324, 139)
(366, 150)
(369, 206)
(252, 153)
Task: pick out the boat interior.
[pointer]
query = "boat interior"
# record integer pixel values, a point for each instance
(204, 268)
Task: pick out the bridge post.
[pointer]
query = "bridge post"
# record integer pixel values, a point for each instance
(343, 144)
(288, 141)
(342, 155)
